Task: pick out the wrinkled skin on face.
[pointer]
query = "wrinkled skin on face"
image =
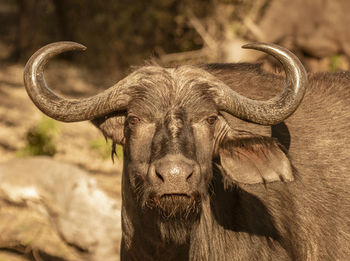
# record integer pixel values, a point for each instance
(181, 131)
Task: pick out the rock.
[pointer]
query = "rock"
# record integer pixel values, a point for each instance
(57, 210)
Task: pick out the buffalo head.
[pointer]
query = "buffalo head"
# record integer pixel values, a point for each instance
(170, 123)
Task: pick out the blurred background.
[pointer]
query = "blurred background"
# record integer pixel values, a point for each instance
(60, 190)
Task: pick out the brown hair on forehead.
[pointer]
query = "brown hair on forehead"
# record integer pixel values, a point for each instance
(174, 121)
(160, 89)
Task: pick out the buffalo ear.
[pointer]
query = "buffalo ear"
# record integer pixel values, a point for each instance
(253, 161)
(112, 127)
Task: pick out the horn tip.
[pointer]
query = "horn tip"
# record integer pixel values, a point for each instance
(74, 45)
(253, 45)
(81, 47)
(63, 46)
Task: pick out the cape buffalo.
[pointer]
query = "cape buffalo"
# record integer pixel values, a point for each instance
(217, 164)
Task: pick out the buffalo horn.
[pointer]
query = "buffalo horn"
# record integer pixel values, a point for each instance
(278, 108)
(67, 110)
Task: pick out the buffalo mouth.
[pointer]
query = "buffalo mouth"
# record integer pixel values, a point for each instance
(171, 206)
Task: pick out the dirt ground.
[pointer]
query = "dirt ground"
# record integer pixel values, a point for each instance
(73, 141)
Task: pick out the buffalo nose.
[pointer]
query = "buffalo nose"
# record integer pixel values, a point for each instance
(174, 170)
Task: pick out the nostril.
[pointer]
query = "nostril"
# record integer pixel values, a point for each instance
(189, 176)
(160, 176)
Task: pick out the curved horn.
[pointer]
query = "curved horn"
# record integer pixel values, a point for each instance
(61, 109)
(280, 107)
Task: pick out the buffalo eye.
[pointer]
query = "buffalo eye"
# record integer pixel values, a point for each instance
(212, 119)
(133, 120)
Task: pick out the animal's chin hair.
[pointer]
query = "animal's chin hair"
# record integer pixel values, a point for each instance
(175, 215)
(176, 231)
(174, 207)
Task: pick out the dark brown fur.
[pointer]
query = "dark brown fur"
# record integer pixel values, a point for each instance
(305, 219)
